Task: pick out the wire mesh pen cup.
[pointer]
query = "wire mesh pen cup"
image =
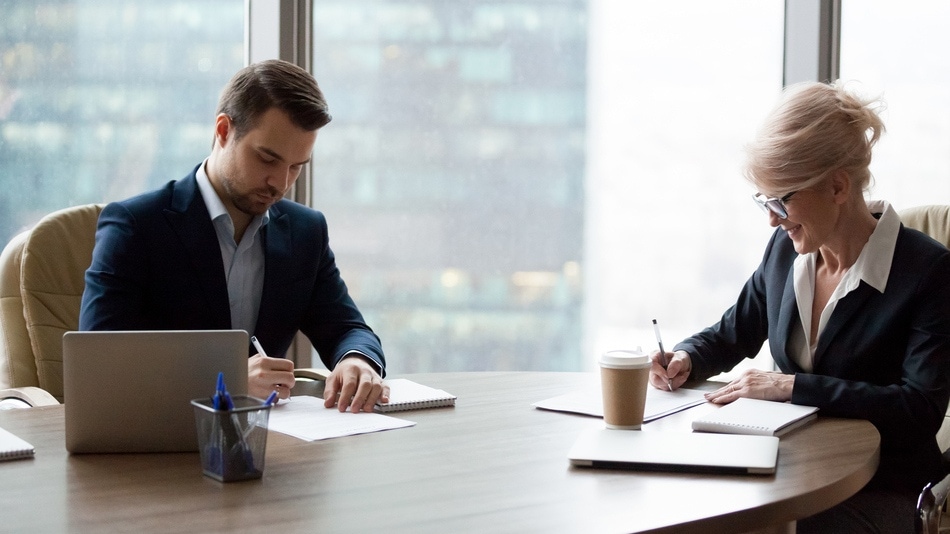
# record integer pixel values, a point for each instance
(232, 442)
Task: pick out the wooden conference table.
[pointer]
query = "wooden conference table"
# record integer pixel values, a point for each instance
(493, 463)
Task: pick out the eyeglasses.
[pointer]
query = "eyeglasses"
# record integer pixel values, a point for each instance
(775, 205)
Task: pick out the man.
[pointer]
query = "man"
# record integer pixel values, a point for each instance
(221, 249)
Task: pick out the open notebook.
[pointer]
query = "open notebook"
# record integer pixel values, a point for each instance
(675, 451)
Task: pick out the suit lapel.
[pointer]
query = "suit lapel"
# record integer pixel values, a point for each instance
(787, 317)
(189, 218)
(277, 246)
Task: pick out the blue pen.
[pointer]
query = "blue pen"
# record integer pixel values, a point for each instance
(240, 450)
(218, 398)
(270, 398)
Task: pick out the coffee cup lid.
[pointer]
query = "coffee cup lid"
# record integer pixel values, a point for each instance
(624, 359)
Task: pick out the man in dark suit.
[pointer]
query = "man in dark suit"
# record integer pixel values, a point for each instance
(222, 249)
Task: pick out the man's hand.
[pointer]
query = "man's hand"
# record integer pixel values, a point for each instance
(265, 374)
(356, 385)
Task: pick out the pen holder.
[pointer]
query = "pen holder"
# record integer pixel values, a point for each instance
(232, 442)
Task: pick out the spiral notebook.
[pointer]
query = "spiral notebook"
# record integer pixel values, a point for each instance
(408, 395)
(13, 447)
(756, 417)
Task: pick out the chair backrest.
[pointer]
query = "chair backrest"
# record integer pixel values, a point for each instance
(55, 256)
(933, 220)
(17, 365)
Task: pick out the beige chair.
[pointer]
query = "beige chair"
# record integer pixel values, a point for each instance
(41, 283)
(933, 220)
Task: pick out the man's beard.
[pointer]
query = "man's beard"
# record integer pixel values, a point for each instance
(244, 203)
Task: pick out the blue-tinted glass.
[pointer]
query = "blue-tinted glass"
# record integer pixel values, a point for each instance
(103, 99)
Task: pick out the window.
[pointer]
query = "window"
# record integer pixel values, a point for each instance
(896, 50)
(520, 185)
(101, 100)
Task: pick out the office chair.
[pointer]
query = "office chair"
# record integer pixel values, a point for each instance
(933, 220)
(42, 277)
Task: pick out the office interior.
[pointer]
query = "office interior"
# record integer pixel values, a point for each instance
(510, 186)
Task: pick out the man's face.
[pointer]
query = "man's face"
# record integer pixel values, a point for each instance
(255, 171)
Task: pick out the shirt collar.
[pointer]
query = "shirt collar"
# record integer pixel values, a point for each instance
(874, 263)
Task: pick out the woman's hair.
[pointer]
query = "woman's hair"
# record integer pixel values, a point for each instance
(273, 83)
(816, 129)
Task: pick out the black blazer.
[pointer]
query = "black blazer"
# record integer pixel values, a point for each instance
(884, 357)
(157, 266)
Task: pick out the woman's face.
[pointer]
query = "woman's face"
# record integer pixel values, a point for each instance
(812, 218)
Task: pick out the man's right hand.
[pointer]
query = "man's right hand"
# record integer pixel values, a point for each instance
(265, 374)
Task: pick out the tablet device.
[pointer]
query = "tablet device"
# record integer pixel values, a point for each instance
(676, 451)
(131, 391)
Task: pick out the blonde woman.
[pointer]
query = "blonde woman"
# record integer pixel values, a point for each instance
(855, 307)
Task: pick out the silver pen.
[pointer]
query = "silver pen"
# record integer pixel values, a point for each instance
(659, 341)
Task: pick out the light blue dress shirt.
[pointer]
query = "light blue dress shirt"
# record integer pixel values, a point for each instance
(243, 262)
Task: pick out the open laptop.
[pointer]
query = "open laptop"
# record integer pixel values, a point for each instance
(676, 451)
(131, 391)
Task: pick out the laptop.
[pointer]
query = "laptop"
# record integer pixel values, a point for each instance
(676, 452)
(131, 391)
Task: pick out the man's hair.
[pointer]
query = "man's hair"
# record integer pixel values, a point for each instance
(273, 83)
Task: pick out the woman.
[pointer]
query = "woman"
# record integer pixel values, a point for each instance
(856, 308)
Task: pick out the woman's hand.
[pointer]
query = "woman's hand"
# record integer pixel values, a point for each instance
(670, 369)
(755, 384)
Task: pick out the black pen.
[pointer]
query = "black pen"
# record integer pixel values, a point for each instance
(659, 341)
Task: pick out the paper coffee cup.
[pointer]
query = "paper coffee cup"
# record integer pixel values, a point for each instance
(624, 376)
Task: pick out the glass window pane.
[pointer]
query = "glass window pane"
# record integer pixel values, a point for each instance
(103, 99)
(518, 185)
(897, 50)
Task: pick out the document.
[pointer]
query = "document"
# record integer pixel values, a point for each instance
(306, 418)
(13, 447)
(659, 403)
(756, 417)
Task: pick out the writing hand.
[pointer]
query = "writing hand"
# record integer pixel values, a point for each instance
(669, 370)
(265, 374)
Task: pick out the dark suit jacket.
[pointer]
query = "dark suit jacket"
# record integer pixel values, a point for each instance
(884, 357)
(157, 266)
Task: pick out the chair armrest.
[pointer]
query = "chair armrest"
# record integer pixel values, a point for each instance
(930, 506)
(310, 381)
(313, 373)
(33, 396)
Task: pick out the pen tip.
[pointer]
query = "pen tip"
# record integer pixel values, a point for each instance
(654, 321)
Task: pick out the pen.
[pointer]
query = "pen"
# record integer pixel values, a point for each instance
(659, 341)
(257, 345)
(260, 350)
(270, 398)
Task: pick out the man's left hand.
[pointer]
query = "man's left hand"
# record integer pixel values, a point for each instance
(356, 385)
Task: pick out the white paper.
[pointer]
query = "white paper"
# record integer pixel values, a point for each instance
(659, 402)
(306, 418)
